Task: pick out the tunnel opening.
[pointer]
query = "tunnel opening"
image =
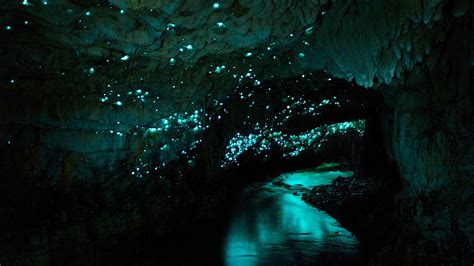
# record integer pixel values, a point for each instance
(352, 141)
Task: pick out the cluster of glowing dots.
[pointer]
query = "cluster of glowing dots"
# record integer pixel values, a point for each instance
(307, 108)
(27, 3)
(264, 138)
(136, 96)
(161, 143)
(190, 121)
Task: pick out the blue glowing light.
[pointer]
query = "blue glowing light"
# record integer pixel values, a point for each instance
(219, 69)
(170, 26)
(283, 225)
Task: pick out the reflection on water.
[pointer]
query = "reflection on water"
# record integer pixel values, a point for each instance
(271, 226)
(310, 179)
(268, 226)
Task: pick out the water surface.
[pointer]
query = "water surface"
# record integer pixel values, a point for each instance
(271, 225)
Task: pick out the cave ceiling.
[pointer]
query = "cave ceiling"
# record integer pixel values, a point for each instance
(368, 42)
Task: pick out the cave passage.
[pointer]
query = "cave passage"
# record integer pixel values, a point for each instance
(272, 225)
(145, 132)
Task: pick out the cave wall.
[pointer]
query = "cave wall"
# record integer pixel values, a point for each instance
(429, 133)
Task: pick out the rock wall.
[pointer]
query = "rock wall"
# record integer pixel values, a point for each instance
(429, 133)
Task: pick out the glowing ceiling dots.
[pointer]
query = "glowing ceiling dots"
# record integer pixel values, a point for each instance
(264, 138)
(152, 130)
(219, 69)
(188, 47)
(160, 140)
(170, 27)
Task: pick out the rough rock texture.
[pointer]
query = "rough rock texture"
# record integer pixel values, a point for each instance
(429, 133)
(363, 205)
(71, 114)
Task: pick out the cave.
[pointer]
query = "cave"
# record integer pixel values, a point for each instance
(236, 132)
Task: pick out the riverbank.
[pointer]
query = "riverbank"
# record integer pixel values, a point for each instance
(362, 205)
(272, 225)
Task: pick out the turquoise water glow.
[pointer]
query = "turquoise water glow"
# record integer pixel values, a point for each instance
(310, 179)
(271, 226)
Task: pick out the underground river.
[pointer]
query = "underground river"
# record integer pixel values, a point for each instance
(271, 225)
(268, 224)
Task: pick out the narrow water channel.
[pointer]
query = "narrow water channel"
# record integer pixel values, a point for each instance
(271, 225)
(268, 224)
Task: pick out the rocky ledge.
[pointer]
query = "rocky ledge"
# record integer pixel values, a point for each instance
(362, 205)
